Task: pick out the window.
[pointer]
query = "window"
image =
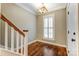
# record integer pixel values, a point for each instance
(48, 27)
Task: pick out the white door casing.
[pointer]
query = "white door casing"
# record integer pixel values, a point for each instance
(72, 29)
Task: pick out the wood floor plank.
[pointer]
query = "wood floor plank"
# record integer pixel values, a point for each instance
(44, 49)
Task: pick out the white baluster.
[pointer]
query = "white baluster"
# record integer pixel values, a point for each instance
(25, 44)
(17, 38)
(12, 39)
(21, 44)
(6, 35)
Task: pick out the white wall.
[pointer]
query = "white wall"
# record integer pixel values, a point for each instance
(20, 17)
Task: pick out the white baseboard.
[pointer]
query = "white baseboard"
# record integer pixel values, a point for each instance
(52, 43)
(32, 42)
(48, 43)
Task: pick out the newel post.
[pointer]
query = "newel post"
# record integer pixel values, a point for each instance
(25, 42)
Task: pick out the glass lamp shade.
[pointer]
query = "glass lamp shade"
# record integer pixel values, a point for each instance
(43, 10)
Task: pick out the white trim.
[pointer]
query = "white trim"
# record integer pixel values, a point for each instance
(32, 42)
(22, 40)
(52, 43)
(15, 53)
(6, 35)
(26, 8)
(9, 50)
(67, 27)
(76, 26)
(3, 47)
(12, 38)
(61, 7)
(17, 42)
(48, 43)
(26, 44)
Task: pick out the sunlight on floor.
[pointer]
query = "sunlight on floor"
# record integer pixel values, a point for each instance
(48, 52)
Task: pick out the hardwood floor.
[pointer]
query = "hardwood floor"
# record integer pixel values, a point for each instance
(43, 49)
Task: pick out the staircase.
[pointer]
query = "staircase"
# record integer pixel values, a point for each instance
(13, 41)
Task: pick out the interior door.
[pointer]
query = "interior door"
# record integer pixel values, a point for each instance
(71, 30)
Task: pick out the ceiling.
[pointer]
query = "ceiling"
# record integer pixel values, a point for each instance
(32, 7)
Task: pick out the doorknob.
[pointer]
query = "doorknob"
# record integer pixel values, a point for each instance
(72, 40)
(74, 33)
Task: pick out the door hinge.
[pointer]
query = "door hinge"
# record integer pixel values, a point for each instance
(68, 12)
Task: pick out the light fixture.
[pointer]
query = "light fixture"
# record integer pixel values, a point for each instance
(43, 9)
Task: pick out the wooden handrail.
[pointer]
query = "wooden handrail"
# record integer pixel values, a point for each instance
(11, 24)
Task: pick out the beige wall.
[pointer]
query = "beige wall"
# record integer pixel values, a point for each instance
(20, 17)
(60, 27)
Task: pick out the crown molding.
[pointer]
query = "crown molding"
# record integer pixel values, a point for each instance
(35, 12)
(26, 8)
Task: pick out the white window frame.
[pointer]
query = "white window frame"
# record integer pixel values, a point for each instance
(53, 27)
